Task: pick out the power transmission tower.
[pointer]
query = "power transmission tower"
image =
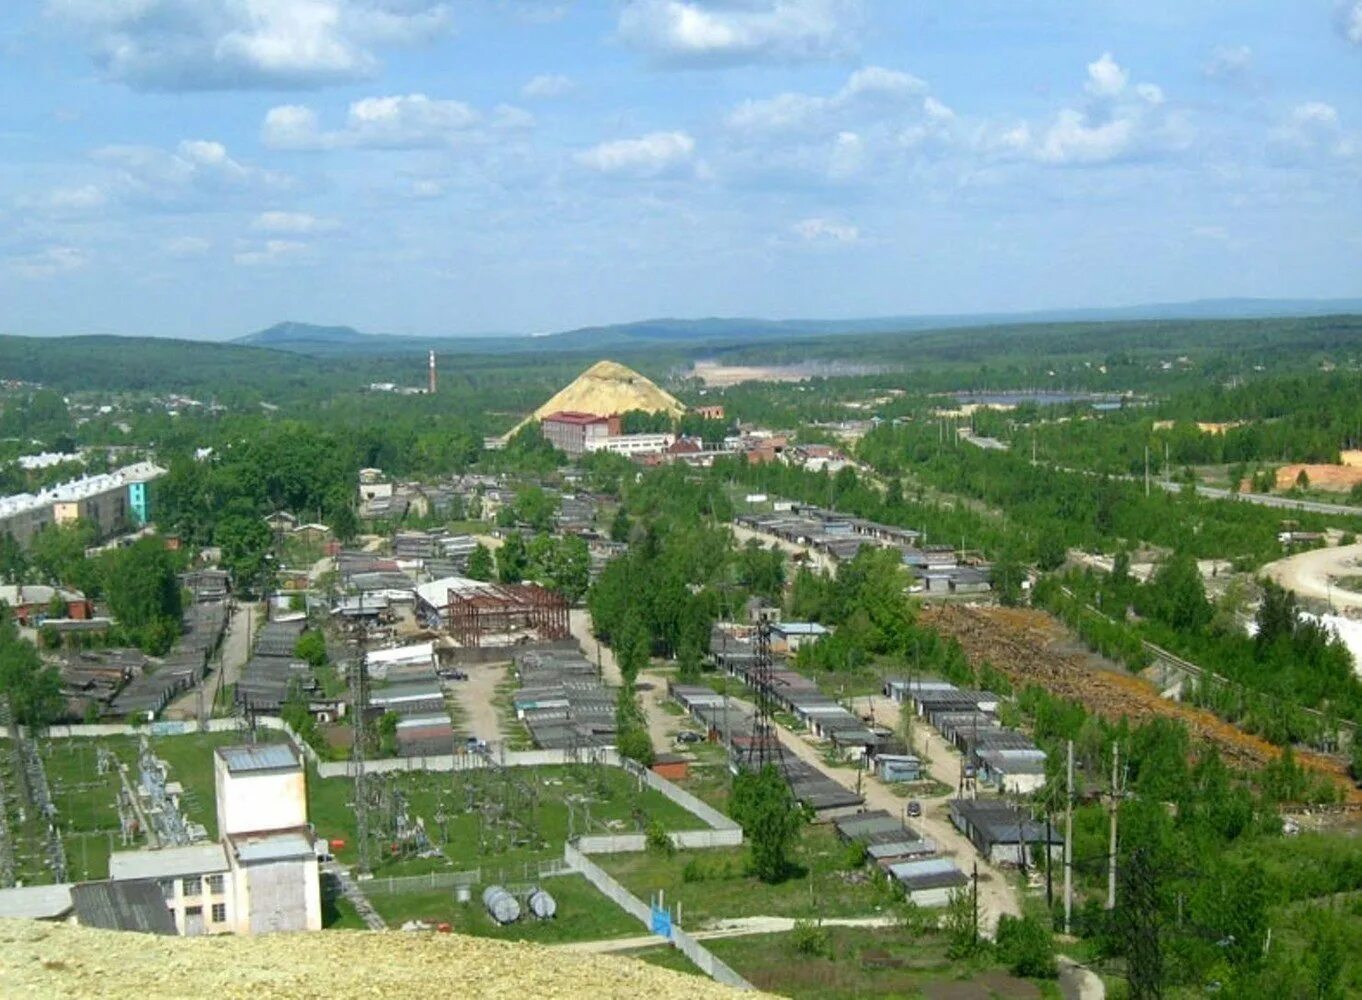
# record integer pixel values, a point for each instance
(761, 752)
(359, 698)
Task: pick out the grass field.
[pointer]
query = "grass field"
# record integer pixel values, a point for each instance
(719, 886)
(583, 914)
(853, 963)
(614, 801)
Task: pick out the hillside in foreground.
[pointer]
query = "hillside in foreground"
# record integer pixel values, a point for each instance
(57, 960)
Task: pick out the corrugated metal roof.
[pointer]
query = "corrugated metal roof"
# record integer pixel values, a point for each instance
(35, 902)
(263, 757)
(137, 905)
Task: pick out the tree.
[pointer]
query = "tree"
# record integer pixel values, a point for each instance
(571, 570)
(311, 646)
(1178, 597)
(13, 561)
(1051, 551)
(144, 592)
(1026, 945)
(33, 689)
(245, 541)
(480, 564)
(771, 819)
(620, 525)
(635, 744)
(58, 553)
(1008, 576)
(512, 558)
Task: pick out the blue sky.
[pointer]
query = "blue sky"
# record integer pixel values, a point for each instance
(205, 168)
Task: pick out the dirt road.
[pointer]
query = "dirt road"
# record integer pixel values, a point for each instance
(225, 669)
(651, 687)
(1310, 574)
(475, 698)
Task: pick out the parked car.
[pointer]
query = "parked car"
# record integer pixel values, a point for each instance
(688, 737)
(914, 808)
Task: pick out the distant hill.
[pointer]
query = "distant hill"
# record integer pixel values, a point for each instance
(306, 338)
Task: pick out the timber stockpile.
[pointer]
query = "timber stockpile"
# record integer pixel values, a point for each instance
(1031, 647)
(59, 960)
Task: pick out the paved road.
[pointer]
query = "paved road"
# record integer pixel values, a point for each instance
(1268, 500)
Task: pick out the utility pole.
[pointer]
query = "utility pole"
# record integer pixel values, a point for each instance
(1069, 843)
(1115, 802)
(1146, 470)
(975, 880)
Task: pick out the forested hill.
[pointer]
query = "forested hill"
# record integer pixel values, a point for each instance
(152, 364)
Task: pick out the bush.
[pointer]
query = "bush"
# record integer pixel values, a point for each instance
(658, 840)
(635, 744)
(1027, 948)
(811, 939)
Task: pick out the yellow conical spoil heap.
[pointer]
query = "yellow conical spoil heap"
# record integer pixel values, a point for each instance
(607, 388)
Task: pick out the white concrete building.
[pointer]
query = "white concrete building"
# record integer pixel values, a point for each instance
(263, 874)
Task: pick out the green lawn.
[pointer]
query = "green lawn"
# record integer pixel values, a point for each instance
(583, 914)
(719, 886)
(884, 962)
(612, 798)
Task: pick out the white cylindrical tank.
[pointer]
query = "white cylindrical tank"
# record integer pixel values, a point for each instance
(501, 905)
(542, 905)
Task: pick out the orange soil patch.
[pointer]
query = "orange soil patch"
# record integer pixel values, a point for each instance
(1322, 477)
(1025, 646)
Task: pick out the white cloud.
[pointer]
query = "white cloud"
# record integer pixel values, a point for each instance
(651, 155)
(238, 44)
(292, 223)
(1117, 121)
(47, 263)
(1311, 131)
(510, 118)
(1106, 78)
(197, 169)
(427, 189)
(1228, 62)
(809, 112)
(271, 252)
(405, 121)
(1350, 21)
(697, 32)
(848, 156)
(546, 86)
(819, 230)
(66, 201)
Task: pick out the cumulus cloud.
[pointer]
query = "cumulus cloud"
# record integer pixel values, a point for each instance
(292, 223)
(699, 32)
(197, 169)
(652, 155)
(546, 86)
(1117, 121)
(802, 112)
(1311, 131)
(48, 262)
(825, 231)
(242, 44)
(406, 121)
(271, 252)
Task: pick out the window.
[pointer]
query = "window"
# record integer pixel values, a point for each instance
(219, 912)
(215, 884)
(167, 887)
(193, 886)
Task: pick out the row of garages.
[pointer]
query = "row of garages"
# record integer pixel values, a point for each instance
(562, 700)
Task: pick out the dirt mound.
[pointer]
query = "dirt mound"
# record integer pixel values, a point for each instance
(1028, 647)
(57, 960)
(607, 388)
(1322, 477)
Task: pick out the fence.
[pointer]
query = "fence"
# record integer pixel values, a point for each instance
(419, 883)
(703, 810)
(704, 959)
(470, 761)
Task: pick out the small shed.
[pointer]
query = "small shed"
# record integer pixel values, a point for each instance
(671, 767)
(898, 767)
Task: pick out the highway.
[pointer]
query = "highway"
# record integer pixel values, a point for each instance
(1268, 500)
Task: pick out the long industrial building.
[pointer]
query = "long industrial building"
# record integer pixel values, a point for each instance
(110, 501)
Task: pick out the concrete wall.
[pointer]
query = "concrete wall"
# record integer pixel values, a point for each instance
(681, 797)
(279, 896)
